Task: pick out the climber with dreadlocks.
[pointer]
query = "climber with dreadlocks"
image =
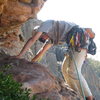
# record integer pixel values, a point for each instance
(80, 40)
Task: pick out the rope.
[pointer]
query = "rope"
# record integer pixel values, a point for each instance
(77, 74)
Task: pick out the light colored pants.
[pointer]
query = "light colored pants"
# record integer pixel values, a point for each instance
(70, 74)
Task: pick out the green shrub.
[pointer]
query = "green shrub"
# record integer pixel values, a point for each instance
(10, 89)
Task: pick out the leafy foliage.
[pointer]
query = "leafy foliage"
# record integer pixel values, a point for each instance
(11, 90)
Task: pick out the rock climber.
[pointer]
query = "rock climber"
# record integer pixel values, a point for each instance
(53, 32)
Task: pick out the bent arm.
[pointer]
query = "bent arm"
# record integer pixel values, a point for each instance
(42, 51)
(29, 44)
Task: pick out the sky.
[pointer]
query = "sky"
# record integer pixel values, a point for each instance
(85, 13)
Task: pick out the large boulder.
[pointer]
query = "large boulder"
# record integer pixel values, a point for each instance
(38, 78)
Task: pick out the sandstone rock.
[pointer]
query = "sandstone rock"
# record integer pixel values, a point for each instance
(13, 13)
(39, 79)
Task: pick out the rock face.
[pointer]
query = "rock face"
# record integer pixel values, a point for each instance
(92, 79)
(13, 13)
(39, 79)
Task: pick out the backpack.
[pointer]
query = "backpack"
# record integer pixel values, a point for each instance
(92, 47)
(78, 38)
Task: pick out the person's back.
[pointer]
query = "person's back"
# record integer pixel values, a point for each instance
(56, 30)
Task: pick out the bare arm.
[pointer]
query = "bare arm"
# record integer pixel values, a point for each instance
(42, 51)
(29, 44)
